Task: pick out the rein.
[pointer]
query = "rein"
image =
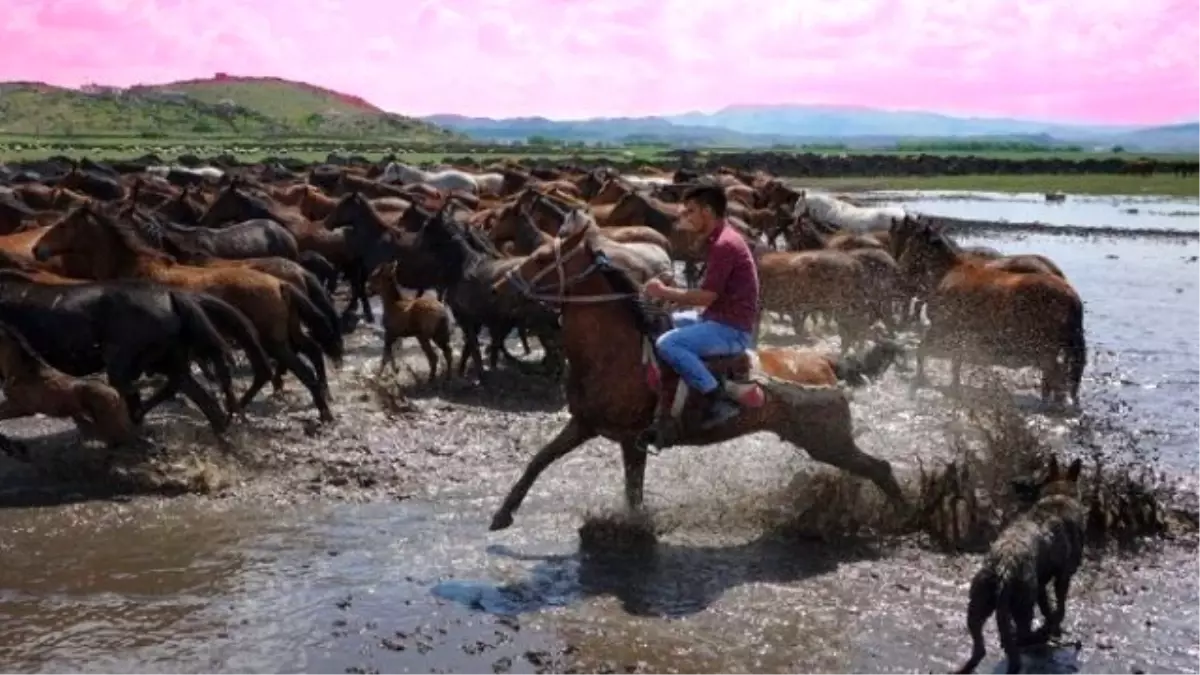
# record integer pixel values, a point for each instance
(529, 288)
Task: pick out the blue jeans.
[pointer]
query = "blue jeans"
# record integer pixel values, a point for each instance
(683, 346)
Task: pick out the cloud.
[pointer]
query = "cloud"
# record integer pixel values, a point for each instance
(1104, 61)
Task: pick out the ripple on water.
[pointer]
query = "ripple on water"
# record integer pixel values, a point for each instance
(233, 585)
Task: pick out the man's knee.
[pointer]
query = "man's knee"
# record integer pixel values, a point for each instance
(668, 341)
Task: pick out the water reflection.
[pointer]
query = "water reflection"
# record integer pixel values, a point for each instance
(1147, 212)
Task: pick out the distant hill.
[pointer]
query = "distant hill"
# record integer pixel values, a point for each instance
(221, 105)
(816, 125)
(611, 130)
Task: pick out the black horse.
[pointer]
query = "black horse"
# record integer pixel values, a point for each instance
(474, 265)
(128, 328)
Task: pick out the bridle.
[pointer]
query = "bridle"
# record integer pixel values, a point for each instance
(530, 288)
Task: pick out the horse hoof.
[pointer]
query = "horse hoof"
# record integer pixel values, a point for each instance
(501, 521)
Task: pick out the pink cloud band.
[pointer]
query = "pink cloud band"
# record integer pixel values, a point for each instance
(1104, 61)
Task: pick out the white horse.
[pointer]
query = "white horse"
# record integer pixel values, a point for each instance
(646, 182)
(490, 183)
(448, 179)
(829, 210)
(207, 172)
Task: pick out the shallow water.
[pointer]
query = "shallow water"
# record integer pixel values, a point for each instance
(307, 583)
(1132, 212)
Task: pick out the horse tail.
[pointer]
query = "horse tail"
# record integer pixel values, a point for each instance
(319, 265)
(326, 334)
(319, 297)
(203, 314)
(857, 371)
(1076, 348)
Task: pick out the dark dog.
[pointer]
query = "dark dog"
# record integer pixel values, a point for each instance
(1043, 544)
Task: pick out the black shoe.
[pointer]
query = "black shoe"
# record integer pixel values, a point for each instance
(720, 410)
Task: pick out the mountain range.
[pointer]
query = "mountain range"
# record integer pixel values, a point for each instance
(853, 127)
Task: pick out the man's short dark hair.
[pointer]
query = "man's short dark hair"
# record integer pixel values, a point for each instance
(712, 196)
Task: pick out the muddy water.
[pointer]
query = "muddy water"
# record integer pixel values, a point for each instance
(1147, 212)
(365, 547)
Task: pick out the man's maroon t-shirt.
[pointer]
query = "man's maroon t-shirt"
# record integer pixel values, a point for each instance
(733, 276)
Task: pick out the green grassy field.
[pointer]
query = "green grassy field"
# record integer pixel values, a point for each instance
(17, 147)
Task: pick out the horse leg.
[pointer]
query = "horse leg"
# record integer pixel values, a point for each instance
(208, 405)
(443, 342)
(919, 377)
(364, 298)
(223, 378)
(167, 391)
(956, 364)
(825, 432)
(524, 335)
(470, 347)
(569, 437)
(282, 352)
(387, 358)
(634, 459)
(276, 379)
(307, 346)
(358, 296)
(122, 371)
(430, 355)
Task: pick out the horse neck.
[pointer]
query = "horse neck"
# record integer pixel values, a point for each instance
(122, 260)
(654, 216)
(599, 336)
(939, 261)
(369, 216)
(388, 291)
(529, 236)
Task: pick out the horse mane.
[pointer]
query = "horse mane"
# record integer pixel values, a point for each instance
(128, 235)
(649, 320)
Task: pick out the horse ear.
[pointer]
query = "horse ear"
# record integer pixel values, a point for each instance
(1052, 472)
(1074, 470)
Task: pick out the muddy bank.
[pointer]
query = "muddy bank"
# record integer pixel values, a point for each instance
(394, 437)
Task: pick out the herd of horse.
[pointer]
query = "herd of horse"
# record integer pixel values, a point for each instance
(136, 271)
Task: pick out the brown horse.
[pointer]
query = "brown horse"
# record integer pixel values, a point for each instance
(980, 313)
(423, 318)
(608, 337)
(611, 192)
(32, 386)
(835, 284)
(276, 309)
(917, 287)
(806, 237)
(237, 203)
(901, 232)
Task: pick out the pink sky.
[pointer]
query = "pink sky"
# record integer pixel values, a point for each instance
(1118, 61)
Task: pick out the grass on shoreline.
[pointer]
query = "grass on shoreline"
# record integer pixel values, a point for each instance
(317, 149)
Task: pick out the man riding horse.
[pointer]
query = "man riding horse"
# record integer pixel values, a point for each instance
(728, 297)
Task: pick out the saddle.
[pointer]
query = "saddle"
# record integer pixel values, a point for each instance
(680, 409)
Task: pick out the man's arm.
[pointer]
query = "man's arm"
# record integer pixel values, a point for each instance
(695, 297)
(720, 265)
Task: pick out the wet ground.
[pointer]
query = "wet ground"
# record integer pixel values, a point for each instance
(364, 546)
